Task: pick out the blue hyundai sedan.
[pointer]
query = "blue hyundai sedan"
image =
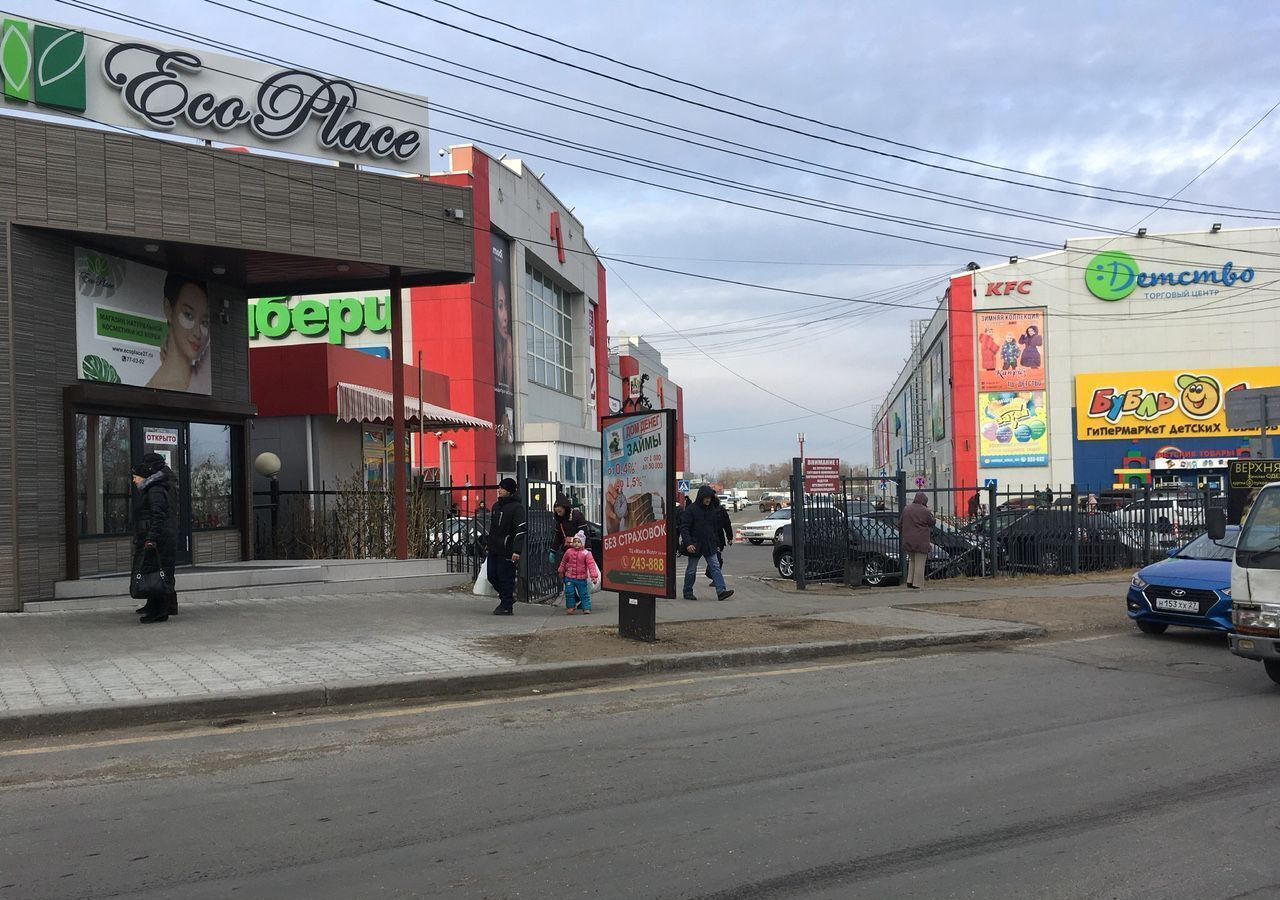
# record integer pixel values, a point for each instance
(1192, 587)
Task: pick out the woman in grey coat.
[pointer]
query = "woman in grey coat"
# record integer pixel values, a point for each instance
(916, 523)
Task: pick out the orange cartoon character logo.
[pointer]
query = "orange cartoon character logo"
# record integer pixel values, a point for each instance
(1201, 395)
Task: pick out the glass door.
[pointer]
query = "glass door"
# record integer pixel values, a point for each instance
(170, 440)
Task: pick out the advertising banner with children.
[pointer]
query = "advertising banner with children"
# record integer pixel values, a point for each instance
(639, 481)
(1011, 350)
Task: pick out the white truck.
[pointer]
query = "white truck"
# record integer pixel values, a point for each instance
(1255, 579)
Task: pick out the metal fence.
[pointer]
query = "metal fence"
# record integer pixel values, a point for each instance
(450, 523)
(851, 535)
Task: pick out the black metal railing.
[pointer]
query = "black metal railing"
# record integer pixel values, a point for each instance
(852, 535)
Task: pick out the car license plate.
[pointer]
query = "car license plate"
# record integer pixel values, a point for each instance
(1177, 605)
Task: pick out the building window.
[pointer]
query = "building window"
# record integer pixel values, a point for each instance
(103, 473)
(376, 457)
(211, 493)
(550, 332)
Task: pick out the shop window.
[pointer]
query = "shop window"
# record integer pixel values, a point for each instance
(212, 504)
(374, 441)
(549, 342)
(102, 475)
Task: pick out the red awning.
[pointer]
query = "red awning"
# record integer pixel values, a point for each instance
(357, 403)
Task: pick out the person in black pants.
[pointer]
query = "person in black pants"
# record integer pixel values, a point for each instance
(569, 521)
(155, 531)
(507, 527)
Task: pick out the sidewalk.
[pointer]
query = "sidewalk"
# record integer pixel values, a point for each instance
(67, 671)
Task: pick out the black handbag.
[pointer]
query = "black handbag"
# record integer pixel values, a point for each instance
(145, 585)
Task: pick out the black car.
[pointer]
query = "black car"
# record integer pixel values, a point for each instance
(1044, 540)
(966, 554)
(871, 548)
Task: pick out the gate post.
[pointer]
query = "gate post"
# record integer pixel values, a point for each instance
(992, 544)
(1146, 524)
(1075, 529)
(901, 478)
(522, 491)
(797, 520)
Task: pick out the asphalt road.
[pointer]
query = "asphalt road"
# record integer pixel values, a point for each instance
(1113, 767)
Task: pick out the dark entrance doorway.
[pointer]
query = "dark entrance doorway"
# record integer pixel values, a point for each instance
(172, 441)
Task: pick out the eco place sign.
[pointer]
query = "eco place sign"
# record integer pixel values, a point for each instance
(122, 81)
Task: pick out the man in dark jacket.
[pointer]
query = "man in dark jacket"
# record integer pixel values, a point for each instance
(916, 525)
(507, 528)
(700, 533)
(155, 531)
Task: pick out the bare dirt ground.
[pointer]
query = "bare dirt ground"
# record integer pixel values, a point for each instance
(1056, 614)
(602, 642)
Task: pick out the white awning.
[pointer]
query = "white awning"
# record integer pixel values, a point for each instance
(357, 403)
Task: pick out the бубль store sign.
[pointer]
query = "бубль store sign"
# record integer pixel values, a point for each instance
(114, 80)
(1114, 275)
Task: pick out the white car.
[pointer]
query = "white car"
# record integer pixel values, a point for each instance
(765, 529)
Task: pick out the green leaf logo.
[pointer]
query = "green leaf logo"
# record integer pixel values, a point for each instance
(98, 369)
(59, 68)
(15, 59)
(97, 265)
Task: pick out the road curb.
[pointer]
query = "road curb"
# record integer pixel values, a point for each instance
(40, 723)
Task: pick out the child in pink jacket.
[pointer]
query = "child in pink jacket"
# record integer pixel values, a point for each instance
(577, 566)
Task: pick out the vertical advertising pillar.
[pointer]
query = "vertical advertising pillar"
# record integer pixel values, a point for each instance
(638, 453)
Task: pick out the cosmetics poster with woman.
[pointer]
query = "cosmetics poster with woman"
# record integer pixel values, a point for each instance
(504, 360)
(138, 325)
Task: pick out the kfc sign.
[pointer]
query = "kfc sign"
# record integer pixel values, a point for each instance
(1008, 288)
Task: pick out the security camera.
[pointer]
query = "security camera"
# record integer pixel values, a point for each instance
(438, 434)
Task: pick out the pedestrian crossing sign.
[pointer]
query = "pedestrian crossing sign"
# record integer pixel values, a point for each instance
(683, 485)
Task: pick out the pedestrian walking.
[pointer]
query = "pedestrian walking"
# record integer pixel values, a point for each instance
(569, 521)
(698, 536)
(155, 533)
(915, 524)
(578, 569)
(507, 527)
(724, 535)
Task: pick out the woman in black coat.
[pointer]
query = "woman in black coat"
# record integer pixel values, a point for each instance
(155, 531)
(569, 521)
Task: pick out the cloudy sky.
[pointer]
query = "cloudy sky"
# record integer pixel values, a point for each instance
(877, 103)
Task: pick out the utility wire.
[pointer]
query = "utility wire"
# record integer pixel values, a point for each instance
(803, 118)
(737, 115)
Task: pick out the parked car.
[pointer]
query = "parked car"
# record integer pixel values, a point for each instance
(1192, 587)
(1171, 520)
(966, 553)
(455, 534)
(872, 549)
(774, 502)
(1043, 539)
(765, 529)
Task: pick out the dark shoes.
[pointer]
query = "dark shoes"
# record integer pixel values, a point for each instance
(502, 611)
(724, 595)
(154, 617)
(690, 597)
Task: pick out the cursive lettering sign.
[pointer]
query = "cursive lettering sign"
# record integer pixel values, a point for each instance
(151, 84)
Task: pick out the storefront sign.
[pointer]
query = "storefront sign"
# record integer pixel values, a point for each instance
(334, 317)
(504, 355)
(1008, 288)
(160, 437)
(1175, 403)
(1011, 350)
(639, 478)
(1114, 275)
(136, 325)
(1013, 429)
(1244, 478)
(822, 475)
(122, 81)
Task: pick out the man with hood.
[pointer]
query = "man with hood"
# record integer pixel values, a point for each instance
(155, 531)
(507, 527)
(700, 533)
(569, 521)
(916, 524)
